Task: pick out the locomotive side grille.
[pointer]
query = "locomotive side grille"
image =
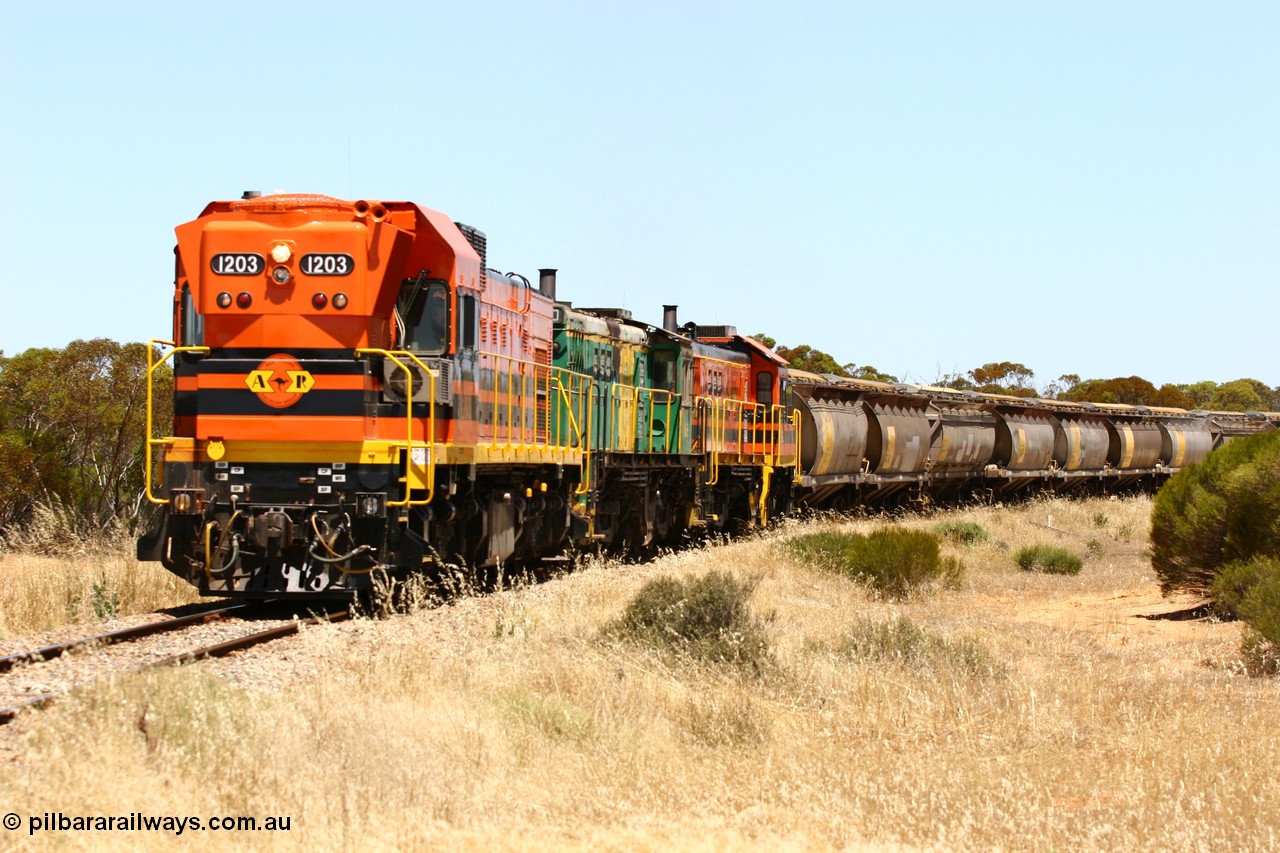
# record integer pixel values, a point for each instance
(444, 380)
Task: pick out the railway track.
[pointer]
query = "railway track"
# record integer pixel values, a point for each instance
(19, 662)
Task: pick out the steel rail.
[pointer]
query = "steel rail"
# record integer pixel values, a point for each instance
(226, 647)
(120, 636)
(222, 649)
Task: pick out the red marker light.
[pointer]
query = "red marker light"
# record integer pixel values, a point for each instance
(319, 300)
(244, 300)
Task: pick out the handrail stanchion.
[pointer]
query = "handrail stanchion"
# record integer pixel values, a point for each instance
(429, 429)
(152, 366)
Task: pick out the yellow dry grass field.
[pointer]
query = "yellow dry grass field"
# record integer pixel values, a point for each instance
(38, 593)
(1039, 712)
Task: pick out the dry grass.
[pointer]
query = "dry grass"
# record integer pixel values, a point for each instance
(52, 575)
(38, 593)
(506, 722)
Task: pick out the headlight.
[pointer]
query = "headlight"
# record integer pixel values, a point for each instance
(186, 501)
(370, 504)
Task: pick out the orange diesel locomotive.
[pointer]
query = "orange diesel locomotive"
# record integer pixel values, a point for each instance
(356, 392)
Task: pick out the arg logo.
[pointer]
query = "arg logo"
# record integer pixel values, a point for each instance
(280, 381)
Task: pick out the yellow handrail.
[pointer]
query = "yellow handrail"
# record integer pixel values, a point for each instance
(152, 367)
(574, 429)
(772, 445)
(768, 432)
(429, 430)
(712, 426)
(507, 399)
(770, 418)
(580, 432)
(622, 429)
(515, 394)
(795, 423)
(653, 416)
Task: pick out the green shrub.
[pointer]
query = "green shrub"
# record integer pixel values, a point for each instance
(893, 561)
(1224, 510)
(1250, 589)
(962, 532)
(903, 642)
(106, 601)
(704, 618)
(1049, 559)
(1241, 585)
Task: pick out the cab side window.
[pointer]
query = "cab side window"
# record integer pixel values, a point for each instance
(664, 369)
(764, 388)
(422, 314)
(191, 322)
(466, 321)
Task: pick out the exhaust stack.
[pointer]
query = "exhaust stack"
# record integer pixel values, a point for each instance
(547, 284)
(669, 322)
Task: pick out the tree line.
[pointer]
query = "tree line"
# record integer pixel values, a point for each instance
(1018, 380)
(72, 419)
(71, 432)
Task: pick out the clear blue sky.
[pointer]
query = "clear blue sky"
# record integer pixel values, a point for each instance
(1088, 187)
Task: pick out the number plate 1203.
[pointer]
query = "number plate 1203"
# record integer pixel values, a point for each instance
(329, 263)
(237, 263)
